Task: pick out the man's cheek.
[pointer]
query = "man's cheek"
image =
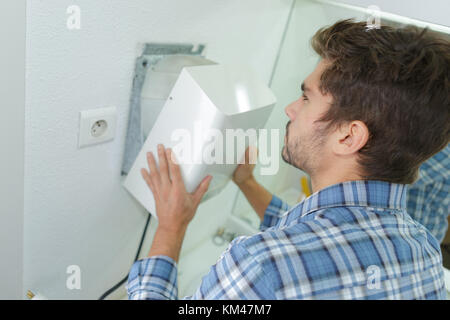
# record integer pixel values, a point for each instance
(296, 130)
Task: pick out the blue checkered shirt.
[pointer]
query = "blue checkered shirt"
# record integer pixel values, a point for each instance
(429, 197)
(352, 240)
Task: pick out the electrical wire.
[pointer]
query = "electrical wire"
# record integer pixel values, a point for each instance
(121, 282)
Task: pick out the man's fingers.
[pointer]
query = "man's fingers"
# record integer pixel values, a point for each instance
(154, 173)
(174, 167)
(163, 167)
(201, 189)
(148, 180)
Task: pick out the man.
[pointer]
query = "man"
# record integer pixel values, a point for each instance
(375, 107)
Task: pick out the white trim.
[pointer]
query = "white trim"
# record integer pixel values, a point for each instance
(391, 16)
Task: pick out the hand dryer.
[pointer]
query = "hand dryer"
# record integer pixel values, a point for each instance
(208, 109)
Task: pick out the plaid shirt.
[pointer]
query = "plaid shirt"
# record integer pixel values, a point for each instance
(352, 240)
(429, 197)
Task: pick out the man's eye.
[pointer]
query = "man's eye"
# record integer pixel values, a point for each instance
(304, 97)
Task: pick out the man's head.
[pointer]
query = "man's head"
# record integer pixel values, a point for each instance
(376, 106)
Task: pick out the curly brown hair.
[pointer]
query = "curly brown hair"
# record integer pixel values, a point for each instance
(395, 80)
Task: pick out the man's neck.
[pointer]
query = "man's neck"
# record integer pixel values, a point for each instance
(326, 179)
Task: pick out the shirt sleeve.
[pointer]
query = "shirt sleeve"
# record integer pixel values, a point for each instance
(153, 278)
(237, 275)
(274, 212)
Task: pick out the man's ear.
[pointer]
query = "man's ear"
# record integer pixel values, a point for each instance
(350, 137)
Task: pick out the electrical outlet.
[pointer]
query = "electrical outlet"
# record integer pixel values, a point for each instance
(97, 126)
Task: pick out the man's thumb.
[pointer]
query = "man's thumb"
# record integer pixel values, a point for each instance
(251, 154)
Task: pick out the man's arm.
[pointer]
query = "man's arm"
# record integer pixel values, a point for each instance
(155, 277)
(175, 207)
(268, 207)
(258, 197)
(236, 275)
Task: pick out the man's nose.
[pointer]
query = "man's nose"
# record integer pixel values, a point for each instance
(290, 111)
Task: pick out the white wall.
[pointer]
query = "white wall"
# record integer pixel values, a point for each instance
(76, 211)
(12, 93)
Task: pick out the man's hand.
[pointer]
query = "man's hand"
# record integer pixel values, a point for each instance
(175, 207)
(258, 197)
(244, 171)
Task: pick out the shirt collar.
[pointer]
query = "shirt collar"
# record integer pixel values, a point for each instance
(361, 193)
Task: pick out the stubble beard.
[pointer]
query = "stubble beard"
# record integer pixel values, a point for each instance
(302, 152)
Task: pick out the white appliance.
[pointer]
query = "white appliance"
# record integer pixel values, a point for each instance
(205, 106)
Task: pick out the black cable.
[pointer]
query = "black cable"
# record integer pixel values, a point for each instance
(114, 288)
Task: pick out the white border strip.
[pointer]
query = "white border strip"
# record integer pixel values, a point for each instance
(391, 16)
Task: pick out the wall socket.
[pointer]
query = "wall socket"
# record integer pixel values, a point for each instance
(97, 126)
